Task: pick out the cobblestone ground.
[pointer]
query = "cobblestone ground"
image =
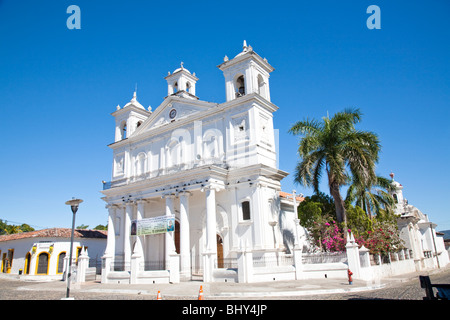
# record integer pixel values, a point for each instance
(396, 290)
(11, 289)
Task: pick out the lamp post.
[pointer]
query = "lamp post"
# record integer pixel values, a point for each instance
(74, 206)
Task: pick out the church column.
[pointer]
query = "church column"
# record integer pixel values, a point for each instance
(127, 237)
(138, 252)
(110, 251)
(211, 241)
(169, 237)
(111, 238)
(138, 249)
(185, 254)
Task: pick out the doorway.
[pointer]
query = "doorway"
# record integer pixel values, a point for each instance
(220, 263)
(177, 237)
(42, 264)
(27, 263)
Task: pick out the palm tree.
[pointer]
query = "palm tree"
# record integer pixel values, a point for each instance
(334, 145)
(372, 196)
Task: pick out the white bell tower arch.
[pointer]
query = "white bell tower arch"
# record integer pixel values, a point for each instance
(246, 73)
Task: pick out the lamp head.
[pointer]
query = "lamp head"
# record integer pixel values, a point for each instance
(74, 204)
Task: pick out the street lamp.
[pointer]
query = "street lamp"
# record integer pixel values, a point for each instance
(74, 206)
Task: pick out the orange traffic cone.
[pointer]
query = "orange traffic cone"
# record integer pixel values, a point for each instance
(158, 297)
(200, 293)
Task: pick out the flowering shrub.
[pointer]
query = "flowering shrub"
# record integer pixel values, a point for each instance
(382, 238)
(328, 235)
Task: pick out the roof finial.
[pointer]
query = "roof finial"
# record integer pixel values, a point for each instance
(181, 64)
(134, 93)
(392, 175)
(244, 46)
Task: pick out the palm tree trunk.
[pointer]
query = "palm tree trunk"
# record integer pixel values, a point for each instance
(338, 204)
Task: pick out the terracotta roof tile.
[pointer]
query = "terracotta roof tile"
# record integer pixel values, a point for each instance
(56, 233)
(285, 195)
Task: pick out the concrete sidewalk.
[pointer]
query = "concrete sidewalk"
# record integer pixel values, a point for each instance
(223, 290)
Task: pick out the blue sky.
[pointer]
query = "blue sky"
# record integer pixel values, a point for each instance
(59, 86)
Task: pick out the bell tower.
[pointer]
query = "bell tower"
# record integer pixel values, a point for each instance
(129, 118)
(246, 73)
(181, 83)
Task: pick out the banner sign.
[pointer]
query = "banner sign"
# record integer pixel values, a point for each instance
(155, 225)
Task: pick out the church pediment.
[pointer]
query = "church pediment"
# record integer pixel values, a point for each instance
(173, 109)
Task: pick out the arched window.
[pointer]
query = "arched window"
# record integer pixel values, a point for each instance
(261, 86)
(175, 87)
(245, 210)
(188, 86)
(123, 129)
(138, 124)
(140, 164)
(174, 152)
(395, 198)
(240, 86)
(42, 263)
(60, 266)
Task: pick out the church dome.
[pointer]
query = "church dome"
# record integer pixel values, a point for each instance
(134, 102)
(181, 68)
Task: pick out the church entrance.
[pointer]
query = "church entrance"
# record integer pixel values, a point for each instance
(220, 263)
(177, 237)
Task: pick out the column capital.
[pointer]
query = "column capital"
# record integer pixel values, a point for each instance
(214, 187)
(113, 206)
(185, 193)
(130, 203)
(168, 196)
(141, 200)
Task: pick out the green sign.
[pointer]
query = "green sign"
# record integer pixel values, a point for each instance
(154, 225)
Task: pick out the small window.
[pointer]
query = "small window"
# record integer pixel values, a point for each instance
(395, 198)
(246, 210)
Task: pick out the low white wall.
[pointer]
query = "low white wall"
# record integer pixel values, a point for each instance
(387, 270)
(336, 270)
(273, 274)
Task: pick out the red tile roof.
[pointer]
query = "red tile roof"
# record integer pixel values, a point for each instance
(56, 233)
(285, 195)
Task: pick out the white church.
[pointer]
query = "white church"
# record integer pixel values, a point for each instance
(195, 184)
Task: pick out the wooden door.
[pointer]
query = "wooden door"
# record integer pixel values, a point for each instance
(177, 237)
(219, 252)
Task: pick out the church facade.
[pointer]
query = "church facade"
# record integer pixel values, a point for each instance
(418, 232)
(208, 168)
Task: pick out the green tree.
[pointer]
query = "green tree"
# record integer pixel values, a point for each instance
(334, 145)
(83, 227)
(371, 195)
(358, 221)
(312, 207)
(101, 227)
(3, 228)
(26, 228)
(308, 212)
